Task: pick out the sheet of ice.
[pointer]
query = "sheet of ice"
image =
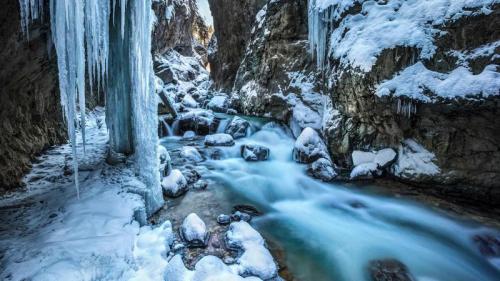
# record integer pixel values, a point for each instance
(419, 83)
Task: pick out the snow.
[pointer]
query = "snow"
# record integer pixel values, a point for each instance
(365, 170)
(382, 157)
(194, 229)
(219, 140)
(191, 154)
(359, 38)
(309, 147)
(414, 161)
(416, 81)
(218, 103)
(174, 184)
(188, 101)
(362, 157)
(256, 259)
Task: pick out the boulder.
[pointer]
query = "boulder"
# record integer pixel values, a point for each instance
(224, 219)
(415, 163)
(218, 104)
(194, 231)
(199, 121)
(365, 171)
(175, 184)
(309, 147)
(189, 135)
(191, 154)
(219, 140)
(322, 169)
(189, 102)
(238, 127)
(200, 185)
(254, 152)
(389, 270)
(191, 174)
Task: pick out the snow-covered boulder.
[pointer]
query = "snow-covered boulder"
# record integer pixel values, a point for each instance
(191, 154)
(414, 162)
(309, 147)
(219, 140)
(254, 152)
(194, 231)
(256, 260)
(365, 171)
(165, 161)
(218, 104)
(197, 120)
(200, 185)
(175, 184)
(189, 102)
(385, 157)
(238, 127)
(189, 135)
(322, 169)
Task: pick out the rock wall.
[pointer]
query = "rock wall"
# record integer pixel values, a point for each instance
(232, 25)
(30, 113)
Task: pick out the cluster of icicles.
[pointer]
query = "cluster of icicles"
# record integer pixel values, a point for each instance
(81, 35)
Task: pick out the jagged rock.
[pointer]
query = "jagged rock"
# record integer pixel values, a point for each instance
(219, 140)
(191, 154)
(175, 184)
(309, 147)
(194, 231)
(197, 120)
(389, 270)
(322, 169)
(254, 152)
(238, 127)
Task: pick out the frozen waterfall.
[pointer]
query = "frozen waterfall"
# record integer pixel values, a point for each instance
(110, 42)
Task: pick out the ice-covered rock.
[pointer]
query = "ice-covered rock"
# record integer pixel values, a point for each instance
(238, 127)
(414, 162)
(385, 157)
(365, 171)
(218, 104)
(194, 231)
(362, 157)
(191, 154)
(224, 219)
(199, 121)
(189, 135)
(165, 161)
(322, 169)
(219, 140)
(175, 184)
(189, 102)
(309, 147)
(256, 260)
(254, 152)
(200, 185)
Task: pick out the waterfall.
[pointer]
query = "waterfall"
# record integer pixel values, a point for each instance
(87, 34)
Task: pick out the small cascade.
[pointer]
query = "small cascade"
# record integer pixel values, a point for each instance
(223, 125)
(175, 127)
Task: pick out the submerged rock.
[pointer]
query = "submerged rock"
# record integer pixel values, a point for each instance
(254, 152)
(322, 169)
(389, 270)
(309, 147)
(175, 184)
(194, 231)
(219, 140)
(238, 127)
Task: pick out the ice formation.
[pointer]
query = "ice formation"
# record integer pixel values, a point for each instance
(113, 41)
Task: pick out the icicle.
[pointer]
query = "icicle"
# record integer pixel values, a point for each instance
(320, 20)
(30, 10)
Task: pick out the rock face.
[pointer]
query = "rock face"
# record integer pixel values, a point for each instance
(30, 112)
(232, 24)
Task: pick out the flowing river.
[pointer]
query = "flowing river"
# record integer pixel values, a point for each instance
(333, 231)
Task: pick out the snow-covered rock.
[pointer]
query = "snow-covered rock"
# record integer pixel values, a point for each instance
(238, 127)
(322, 169)
(191, 154)
(175, 184)
(165, 161)
(383, 157)
(189, 102)
(254, 152)
(219, 140)
(194, 231)
(197, 120)
(365, 171)
(414, 162)
(256, 260)
(189, 135)
(362, 157)
(309, 147)
(218, 104)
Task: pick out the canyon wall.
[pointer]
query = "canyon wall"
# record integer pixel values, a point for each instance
(30, 112)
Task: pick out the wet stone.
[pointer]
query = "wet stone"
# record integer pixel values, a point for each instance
(224, 219)
(254, 152)
(389, 270)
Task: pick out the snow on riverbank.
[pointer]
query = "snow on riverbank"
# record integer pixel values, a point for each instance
(48, 234)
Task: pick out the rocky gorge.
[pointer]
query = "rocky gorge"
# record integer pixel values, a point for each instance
(272, 140)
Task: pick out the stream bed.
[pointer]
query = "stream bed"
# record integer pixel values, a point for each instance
(329, 231)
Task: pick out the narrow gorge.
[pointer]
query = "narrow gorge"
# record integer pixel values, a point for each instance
(297, 140)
